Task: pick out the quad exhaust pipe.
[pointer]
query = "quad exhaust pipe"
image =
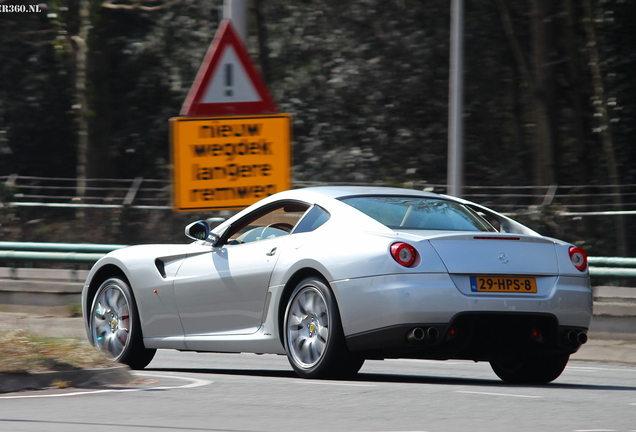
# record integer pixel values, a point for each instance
(430, 334)
(575, 337)
(418, 334)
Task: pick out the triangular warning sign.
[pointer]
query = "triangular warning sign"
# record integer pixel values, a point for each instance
(228, 83)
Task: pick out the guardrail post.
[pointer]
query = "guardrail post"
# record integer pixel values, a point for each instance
(74, 277)
(11, 180)
(132, 192)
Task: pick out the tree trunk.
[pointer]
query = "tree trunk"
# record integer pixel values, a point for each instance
(575, 83)
(600, 104)
(543, 166)
(543, 94)
(81, 99)
(263, 49)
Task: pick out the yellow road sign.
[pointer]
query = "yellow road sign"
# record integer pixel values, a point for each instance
(229, 162)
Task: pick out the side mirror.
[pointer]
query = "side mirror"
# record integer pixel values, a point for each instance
(200, 230)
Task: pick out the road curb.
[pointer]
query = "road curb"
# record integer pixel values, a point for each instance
(608, 351)
(80, 378)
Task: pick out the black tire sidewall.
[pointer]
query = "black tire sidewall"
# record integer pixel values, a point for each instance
(532, 369)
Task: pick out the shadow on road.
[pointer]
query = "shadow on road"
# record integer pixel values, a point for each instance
(396, 378)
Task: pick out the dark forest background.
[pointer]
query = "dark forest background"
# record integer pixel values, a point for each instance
(87, 87)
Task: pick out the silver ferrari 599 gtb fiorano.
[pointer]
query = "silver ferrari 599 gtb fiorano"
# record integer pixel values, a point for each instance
(332, 276)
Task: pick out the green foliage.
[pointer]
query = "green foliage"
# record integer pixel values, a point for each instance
(616, 24)
(368, 89)
(35, 104)
(366, 82)
(75, 309)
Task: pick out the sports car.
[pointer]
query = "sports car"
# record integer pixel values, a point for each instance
(333, 276)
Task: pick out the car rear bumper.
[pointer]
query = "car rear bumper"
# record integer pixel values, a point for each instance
(386, 308)
(480, 336)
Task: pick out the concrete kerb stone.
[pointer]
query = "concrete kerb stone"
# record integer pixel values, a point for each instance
(80, 378)
(606, 351)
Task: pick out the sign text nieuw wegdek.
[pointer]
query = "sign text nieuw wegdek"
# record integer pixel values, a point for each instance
(229, 162)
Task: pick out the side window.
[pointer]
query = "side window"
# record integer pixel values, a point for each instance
(312, 220)
(276, 222)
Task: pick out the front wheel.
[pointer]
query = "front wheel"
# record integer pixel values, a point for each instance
(314, 339)
(532, 369)
(115, 325)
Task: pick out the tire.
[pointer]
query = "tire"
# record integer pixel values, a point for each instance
(313, 335)
(531, 369)
(115, 325)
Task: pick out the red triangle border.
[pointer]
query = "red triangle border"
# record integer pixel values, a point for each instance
(226, 35)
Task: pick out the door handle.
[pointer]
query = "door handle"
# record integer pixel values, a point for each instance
(272, 252)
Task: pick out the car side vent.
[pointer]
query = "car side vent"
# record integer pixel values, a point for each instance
(161, 267)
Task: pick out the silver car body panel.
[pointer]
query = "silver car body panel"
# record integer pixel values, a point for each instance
(385, 301)
(229, 298)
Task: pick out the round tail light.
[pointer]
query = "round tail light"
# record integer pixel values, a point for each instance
(403, 253)
(578, 257)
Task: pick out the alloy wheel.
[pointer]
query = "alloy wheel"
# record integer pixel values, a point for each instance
(308, 327)
(110, 320)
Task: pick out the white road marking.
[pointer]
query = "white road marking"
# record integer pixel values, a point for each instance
(594, 430)
(588, 368)
(596, 368)
(424, 361)
(347, 384)
(498, 394)
(194, 382)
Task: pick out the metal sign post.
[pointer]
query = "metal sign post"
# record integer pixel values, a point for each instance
(455, 171)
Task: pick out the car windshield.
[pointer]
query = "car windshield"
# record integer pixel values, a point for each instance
(417, 213)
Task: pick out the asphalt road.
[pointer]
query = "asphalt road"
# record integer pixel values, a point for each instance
(232, 392)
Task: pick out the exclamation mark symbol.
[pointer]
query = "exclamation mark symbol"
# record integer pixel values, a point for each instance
(229, 81)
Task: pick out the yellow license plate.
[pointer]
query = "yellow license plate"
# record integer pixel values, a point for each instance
(503, 284)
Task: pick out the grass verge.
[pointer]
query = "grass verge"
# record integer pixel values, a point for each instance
(21, 351)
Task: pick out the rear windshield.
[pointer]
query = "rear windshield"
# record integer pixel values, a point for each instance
(417, 213)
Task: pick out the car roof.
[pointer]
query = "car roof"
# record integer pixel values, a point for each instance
(325, 196)
(346, 191)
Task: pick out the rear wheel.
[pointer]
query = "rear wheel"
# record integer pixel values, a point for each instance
(532, 369)
(314, 339)
(115, 325)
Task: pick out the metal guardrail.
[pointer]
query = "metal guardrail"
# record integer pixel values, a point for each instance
(55, 252)
(612, 261)
(60, 247)
(70, 257)
(600, 267)
(612, 267)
